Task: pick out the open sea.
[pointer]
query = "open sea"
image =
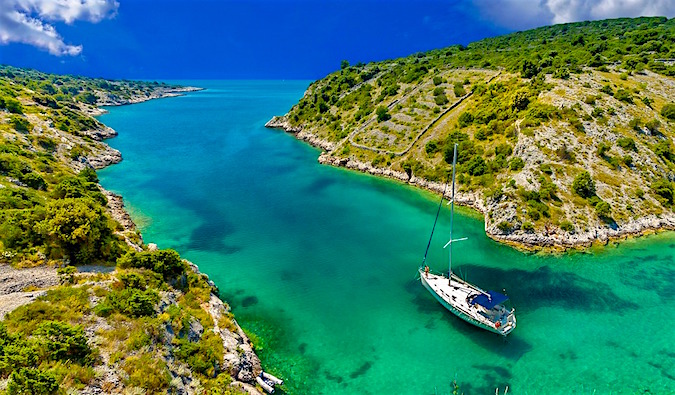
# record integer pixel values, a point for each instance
(321, 263)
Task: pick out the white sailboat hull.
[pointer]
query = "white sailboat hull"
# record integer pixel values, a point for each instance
(455, 298)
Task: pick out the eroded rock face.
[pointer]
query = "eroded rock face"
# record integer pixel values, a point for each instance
(102, 158)
(242, 363)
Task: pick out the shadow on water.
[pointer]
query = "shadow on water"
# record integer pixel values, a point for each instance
(530, 290)
(657, 276)
(210, 236)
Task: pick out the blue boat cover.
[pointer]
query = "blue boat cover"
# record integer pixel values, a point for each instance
(489, 300)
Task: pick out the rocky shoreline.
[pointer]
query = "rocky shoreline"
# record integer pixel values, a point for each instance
(553, 239)
(239, 357)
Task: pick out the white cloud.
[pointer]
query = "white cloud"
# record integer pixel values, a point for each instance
(525, 14)
(27, 21)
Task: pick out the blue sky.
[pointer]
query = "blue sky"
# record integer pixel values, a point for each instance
(172, 39)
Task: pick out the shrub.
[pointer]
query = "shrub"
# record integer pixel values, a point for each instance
(602, 149)
(504, 226)
(603, 209)
(567, 226)
(465, 119)
(624, 96)
(546, 168)
(635, 124)
(528, 227)
(32, 381)
(165, 262)
(584, 185)
(438, 80)
(66, 274)
(382, 114)
(516, 164)
(431, 147)
(663, 189)
(653, 125)
(627, 143)
(64, 342)
(147, 372)
(476, 166)
(78, 229)
(441, 100)
(668, 111)
(130, 302)
(133, 280)
(458, 89)
(664, 149)
(20, 124)
(13, 106)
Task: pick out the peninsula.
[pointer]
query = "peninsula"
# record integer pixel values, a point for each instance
(565, 132)
(85, 305)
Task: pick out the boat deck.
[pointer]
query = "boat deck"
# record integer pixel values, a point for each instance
(455, 296)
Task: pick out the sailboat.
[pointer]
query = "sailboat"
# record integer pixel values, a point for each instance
(483, 309)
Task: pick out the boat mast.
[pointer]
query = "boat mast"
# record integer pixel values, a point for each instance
(452, 215)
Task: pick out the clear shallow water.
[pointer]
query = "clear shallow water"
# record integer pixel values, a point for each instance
(321, 262)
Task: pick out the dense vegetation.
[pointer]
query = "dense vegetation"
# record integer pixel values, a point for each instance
(53, 212)
(530, 111)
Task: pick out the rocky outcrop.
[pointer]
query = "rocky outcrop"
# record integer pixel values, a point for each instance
(22, 286)
(103, 158)
(100, 134)
(285, 125)
(106, 98)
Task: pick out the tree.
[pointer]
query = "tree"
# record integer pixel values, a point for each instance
(584, 185)
(76, 228)
(382, 114)
(344, 64)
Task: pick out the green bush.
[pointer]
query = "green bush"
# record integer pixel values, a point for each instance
(583, 185)
(516, 164)
(465, 119)
(130, 302)
(663, 189)
(64, 342)
(603, 209)
(20, 124)
(441, 100)
(13, 106)
(78, 229)
(165, 262)
(148, 372)
(624, 96)
(627, 143)
(382, 114)
(567, 226)
(504, 226)
(32, 381)
(668, 111)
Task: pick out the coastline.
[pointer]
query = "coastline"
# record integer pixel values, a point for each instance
(555, 240)
(240, 357)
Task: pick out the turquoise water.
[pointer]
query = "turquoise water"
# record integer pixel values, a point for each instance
(320, 263)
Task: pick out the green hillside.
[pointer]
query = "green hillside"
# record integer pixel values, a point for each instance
(532, 112)
(153, 325)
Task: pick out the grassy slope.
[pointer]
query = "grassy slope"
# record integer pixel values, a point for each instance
(531, 111)
(110, 330)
